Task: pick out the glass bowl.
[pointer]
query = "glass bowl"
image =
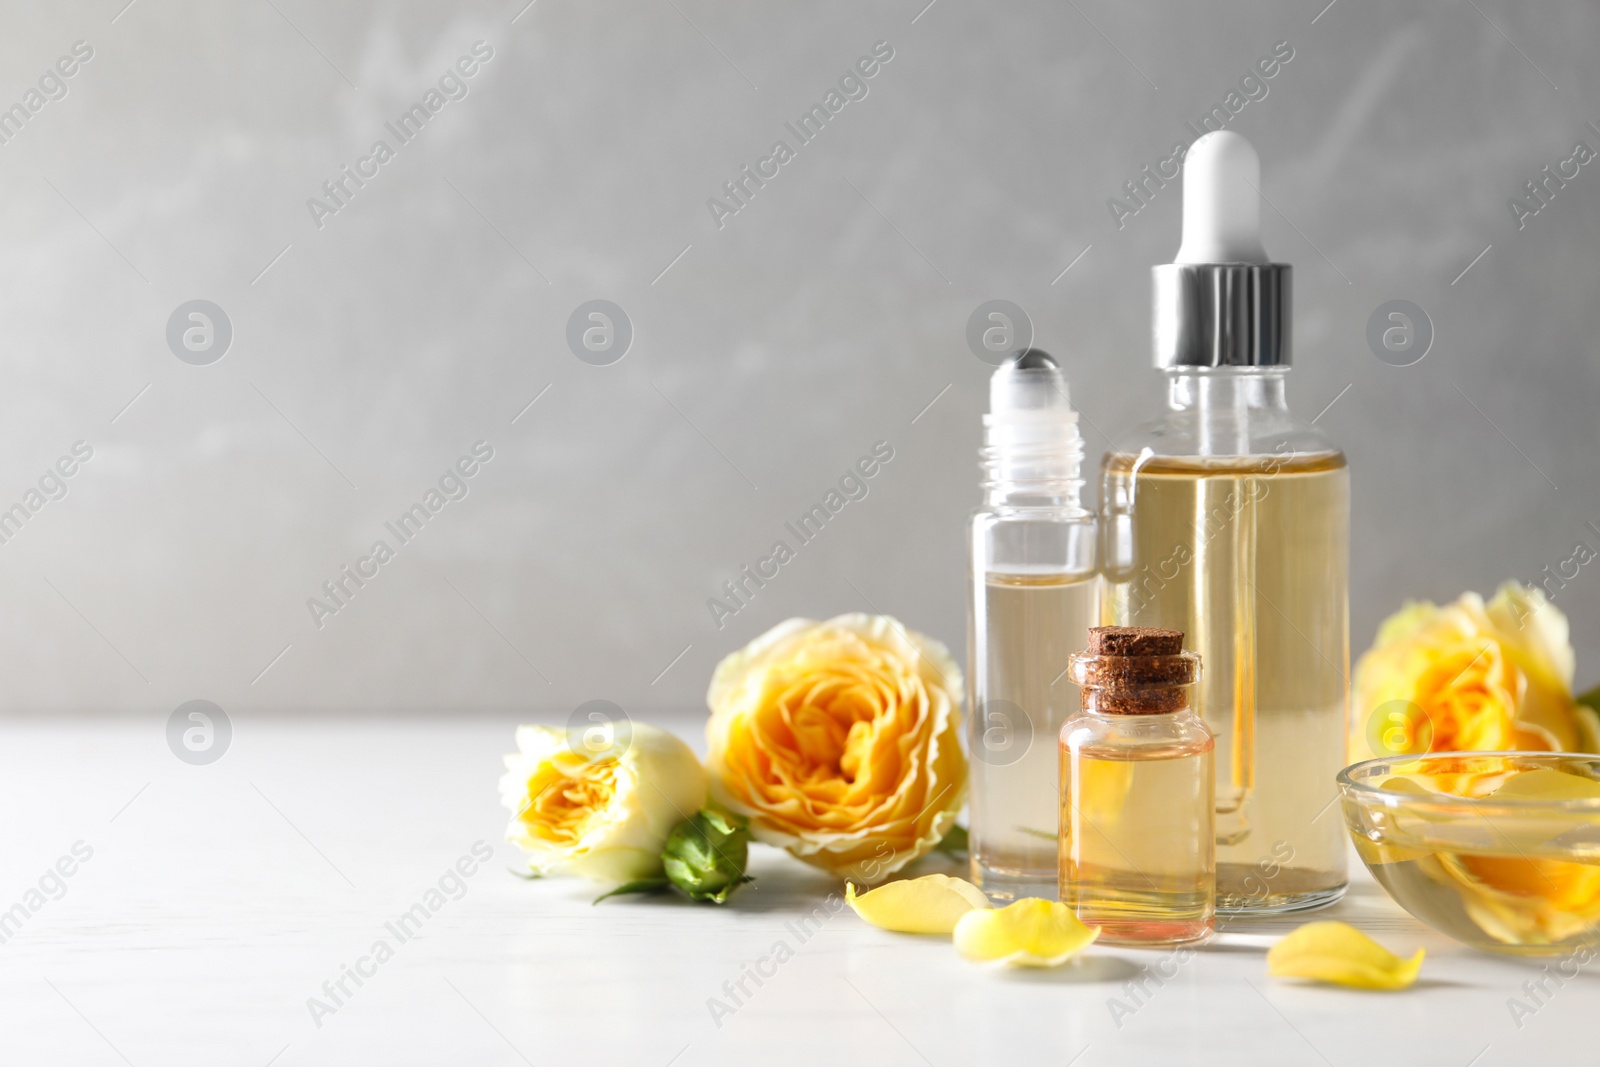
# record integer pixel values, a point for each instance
(1499, 850)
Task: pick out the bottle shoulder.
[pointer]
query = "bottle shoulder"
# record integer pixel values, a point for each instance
(1177, 436)
(1228, 413)
(1286, 460)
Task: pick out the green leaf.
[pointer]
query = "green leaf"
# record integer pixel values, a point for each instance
(1589, 720)
(641, 885)
(954, 842)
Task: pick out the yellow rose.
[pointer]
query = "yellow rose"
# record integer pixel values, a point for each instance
(605, 818)
(840, 741)
(1470, 677)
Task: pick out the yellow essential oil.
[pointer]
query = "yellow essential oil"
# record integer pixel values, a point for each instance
(1138, 797)
(1248, 556)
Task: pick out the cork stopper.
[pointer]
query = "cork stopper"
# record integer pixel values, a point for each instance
(1134, 670)
(1134, 641)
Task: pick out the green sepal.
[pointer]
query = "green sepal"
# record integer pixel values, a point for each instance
(721, 896)
(705, 856)
(638, 885)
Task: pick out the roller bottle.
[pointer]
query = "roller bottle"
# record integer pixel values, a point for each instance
(1034, 594)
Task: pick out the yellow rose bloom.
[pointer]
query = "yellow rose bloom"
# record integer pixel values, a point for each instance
(1470, 677)
(603, 818)
(840, 741)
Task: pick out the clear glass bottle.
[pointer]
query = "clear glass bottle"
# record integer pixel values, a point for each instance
(1229, 518)
(1138, 821)
(1034, 594)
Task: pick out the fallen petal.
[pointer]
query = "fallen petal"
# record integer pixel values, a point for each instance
(928, 905)
(1342, 955)
(1029, 933)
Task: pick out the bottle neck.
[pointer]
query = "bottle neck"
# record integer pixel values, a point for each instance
(1228, 410)
(1043, 475)
(1227, 389)
(1137, 702)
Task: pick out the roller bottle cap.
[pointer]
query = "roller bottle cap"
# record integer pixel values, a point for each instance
(1031, 431)
(1029, 390)
(1222, 302)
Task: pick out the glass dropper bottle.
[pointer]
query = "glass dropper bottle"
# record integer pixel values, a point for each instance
(1228, 518)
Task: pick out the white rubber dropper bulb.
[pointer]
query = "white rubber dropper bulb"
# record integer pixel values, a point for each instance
(1222, 201)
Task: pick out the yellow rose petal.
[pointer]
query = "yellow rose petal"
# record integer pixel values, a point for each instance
(1342, 955)
(1029, 933)
(927, 905)
(1547, 783)
(1396, 783)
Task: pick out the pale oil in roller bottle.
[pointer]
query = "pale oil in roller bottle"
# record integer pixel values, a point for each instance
(1229, 519)
(1034, 594)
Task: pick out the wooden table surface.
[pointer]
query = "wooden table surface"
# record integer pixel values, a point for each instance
(207, 906)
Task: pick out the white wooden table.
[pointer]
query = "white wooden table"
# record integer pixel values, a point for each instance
(219, 899)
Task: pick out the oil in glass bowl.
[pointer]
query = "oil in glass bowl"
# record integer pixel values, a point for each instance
(1500, 851)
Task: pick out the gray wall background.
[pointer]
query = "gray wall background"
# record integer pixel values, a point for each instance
(825, 316)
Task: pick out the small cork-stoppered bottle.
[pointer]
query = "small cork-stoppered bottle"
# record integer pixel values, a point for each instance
(1138, 833)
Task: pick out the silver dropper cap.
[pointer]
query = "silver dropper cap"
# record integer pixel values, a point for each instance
(1222, 303)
